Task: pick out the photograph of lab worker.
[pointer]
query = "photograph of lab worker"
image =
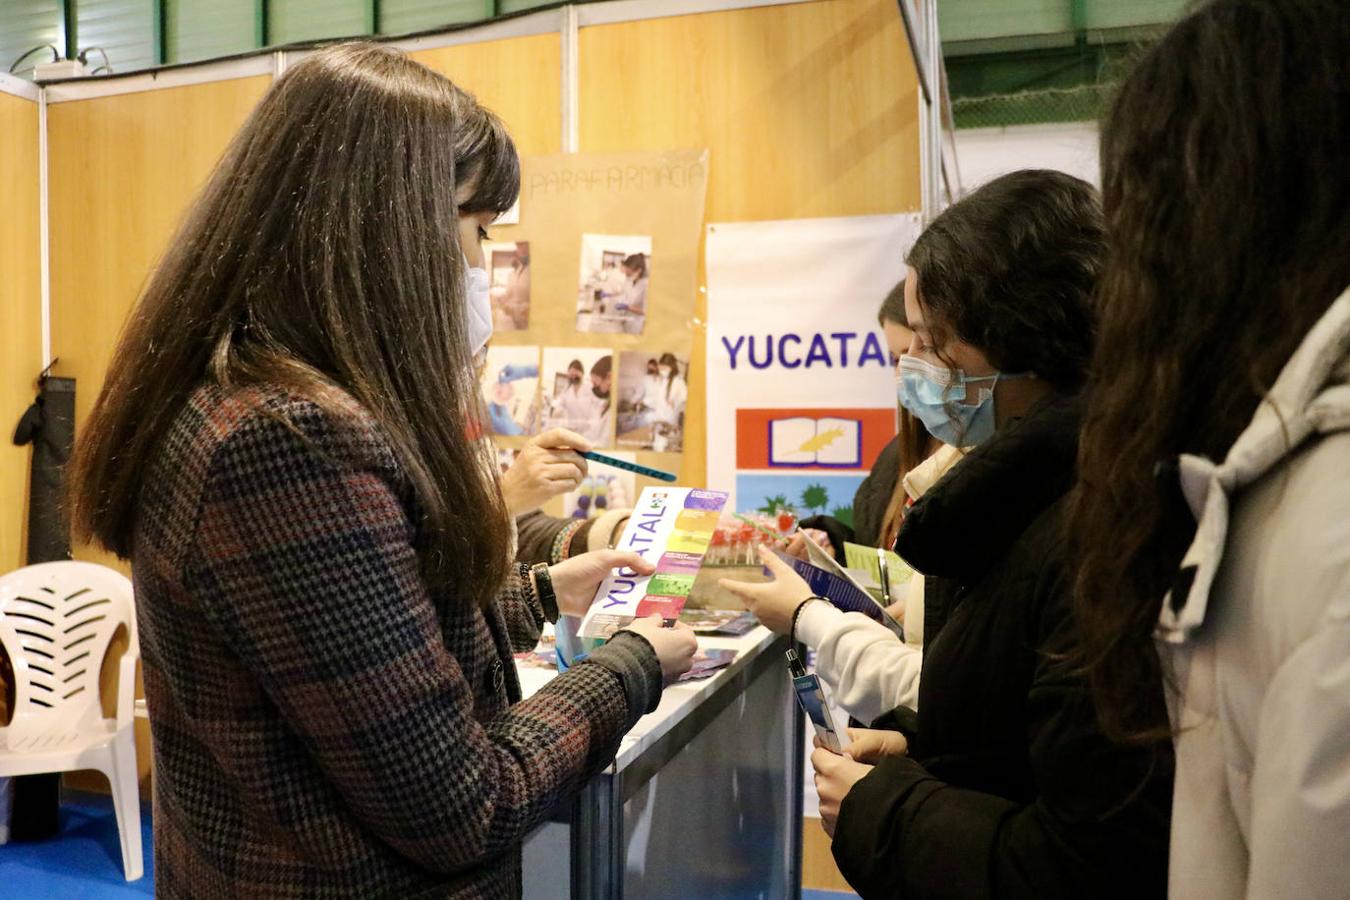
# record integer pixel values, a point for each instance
(325, 598)
(509, 268)
(577, 386)
(612, 296)
(510, 381)
(653, 392)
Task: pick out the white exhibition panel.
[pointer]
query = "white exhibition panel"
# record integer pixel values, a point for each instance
(792, 326)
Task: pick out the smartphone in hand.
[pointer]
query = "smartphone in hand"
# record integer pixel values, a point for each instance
(812, 700)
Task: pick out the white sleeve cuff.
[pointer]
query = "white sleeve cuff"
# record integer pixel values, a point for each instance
(817, 619)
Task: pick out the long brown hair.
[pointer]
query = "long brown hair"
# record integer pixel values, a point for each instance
(913, 439)
(324, 253)
(1226, 180)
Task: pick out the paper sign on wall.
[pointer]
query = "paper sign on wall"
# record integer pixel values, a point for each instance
(604, 263)
(800, 401)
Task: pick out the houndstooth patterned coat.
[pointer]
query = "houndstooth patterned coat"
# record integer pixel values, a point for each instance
(324, 726)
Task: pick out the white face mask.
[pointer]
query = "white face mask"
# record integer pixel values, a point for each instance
(478, 295)
(666, 371)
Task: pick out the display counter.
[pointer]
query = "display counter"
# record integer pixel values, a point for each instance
(702, 800)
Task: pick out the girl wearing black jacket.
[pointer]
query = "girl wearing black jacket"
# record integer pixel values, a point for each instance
(1002, 785)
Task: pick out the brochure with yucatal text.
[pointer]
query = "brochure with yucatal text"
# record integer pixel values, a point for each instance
(671, 527)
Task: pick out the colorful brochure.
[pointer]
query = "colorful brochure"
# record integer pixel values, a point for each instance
(671, 527)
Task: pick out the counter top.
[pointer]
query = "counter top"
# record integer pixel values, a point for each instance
(679, 700)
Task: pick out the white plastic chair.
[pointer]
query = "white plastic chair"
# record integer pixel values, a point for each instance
(56, 621)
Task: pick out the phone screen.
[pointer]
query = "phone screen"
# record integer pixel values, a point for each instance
(812, 699)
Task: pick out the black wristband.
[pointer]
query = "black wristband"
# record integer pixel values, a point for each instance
(796, 614)
(543, 587)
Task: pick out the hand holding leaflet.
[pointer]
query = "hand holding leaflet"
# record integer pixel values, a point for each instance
(828, 579)
(671, 527)
(775, 602)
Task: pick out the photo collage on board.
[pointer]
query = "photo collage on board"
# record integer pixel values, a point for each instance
(632, 400)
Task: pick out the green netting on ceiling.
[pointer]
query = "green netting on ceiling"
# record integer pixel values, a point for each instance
(1074, 104)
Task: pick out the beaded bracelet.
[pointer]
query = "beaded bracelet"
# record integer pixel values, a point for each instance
(796, 614)
(562, 542)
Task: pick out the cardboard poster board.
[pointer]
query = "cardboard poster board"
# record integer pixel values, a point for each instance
(598, 283)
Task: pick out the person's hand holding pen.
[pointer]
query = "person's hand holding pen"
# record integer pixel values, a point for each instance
(549, 465)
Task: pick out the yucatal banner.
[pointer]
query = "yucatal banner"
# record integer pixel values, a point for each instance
(801, 390)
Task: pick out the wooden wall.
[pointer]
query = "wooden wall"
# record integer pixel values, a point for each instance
(122, 171)
(809, 110)
(20, 311)
(518, 78)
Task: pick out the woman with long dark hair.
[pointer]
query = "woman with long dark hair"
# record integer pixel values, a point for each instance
(905, 468)
(1213, 507)
(881, 500)
(1003, 785)
(286, 449)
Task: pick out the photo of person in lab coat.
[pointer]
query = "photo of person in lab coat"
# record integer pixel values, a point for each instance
(653, 394)
(633, 298)
(509, 269)
(580, 391)
(613, 282)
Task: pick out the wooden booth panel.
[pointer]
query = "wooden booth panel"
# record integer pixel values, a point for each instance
(809, 110)
(20, 311)
(517, 78)
(122, 171)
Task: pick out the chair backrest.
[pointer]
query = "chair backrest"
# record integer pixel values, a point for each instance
(56, 621)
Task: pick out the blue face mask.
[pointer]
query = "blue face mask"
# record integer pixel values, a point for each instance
(946, 402)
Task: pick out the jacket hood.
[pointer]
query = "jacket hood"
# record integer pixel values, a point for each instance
(1311, 397)
(968, 520)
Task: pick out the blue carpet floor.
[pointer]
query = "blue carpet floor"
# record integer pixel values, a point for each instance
(84, 862)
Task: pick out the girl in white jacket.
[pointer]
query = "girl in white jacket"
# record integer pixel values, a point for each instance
(1212, 513)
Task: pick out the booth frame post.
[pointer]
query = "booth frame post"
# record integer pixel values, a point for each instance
(940, 183)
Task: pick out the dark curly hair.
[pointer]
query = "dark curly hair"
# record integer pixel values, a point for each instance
(1011, 270)
(1226, 180)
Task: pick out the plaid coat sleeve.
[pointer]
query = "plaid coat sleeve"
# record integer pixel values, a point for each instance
(521, 609)
(306, 562)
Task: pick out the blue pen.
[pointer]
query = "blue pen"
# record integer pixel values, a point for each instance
(628, 466)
